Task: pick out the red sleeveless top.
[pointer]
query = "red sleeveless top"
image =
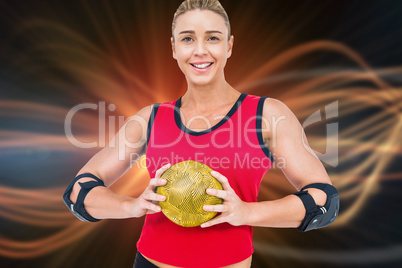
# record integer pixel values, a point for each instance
(234, 147)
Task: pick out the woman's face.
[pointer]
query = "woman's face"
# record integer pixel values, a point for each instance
(201, 46)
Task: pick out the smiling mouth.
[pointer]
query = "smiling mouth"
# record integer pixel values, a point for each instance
(202, 66)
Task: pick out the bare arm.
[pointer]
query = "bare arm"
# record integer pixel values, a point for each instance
(287, 141)
(110, 164)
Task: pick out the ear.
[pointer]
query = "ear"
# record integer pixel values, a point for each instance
(173, 48)
(230, 46)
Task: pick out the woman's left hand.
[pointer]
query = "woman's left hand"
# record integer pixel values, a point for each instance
(234, 210)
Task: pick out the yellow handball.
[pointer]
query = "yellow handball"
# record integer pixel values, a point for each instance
(185, 193)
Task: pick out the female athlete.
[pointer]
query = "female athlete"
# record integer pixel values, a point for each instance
(238, 135)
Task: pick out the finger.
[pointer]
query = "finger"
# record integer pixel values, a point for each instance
(218, 193)
(156, 182)
(151, 212)
(160, 171)
(215, 208)
(212, 222)
(153, 196)
(222, 179)
(151, 208)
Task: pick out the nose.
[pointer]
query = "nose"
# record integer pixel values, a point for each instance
(200, 48)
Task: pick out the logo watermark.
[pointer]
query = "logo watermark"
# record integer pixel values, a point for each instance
(330, 156)
(132, 134)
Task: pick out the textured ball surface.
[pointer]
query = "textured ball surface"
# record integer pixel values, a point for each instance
(185, 193)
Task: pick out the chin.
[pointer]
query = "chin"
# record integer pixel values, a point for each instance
(199, 81)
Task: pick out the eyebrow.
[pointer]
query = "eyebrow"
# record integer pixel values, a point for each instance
(193, 32)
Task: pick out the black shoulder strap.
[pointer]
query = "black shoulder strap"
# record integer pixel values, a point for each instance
(258, 126)
(151, 120)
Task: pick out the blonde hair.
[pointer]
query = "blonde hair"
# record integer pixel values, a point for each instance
(212, 5)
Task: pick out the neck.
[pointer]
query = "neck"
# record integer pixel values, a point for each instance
(205, 97)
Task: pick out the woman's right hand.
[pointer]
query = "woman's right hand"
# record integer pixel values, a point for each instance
(147, 202)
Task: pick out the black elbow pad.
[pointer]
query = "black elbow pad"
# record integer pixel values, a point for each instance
(317, 216)
(78, 209)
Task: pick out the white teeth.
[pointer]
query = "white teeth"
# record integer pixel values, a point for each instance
(202, 66)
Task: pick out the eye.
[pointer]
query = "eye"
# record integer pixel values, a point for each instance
(214, 38)
(187, 39)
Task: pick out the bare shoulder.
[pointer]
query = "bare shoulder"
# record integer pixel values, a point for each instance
(135, 127)
(144, 113)
(279, 120)
(141, 117)
(274, 107)
(275, 111)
